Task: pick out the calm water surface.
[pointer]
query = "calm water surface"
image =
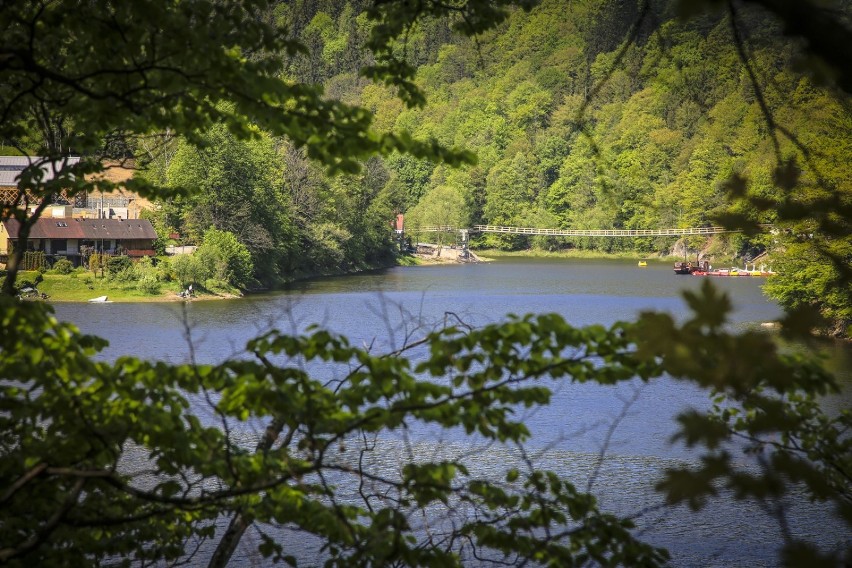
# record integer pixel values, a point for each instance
(381, 308)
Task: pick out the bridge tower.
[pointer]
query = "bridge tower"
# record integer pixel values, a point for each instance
(464, 235)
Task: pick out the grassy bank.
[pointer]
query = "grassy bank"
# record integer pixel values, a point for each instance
(81, 287)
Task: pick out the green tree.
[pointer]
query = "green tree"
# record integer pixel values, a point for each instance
(444, 206)
(227, 259)
(412, 174)
(235, 187)
(188, 269)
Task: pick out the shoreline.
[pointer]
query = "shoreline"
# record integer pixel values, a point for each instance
(63, 295)
(60, 292)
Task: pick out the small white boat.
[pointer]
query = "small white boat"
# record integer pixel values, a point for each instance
(100, 300)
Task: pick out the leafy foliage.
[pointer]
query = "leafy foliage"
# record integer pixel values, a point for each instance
(225, 258)
(63, 266)
(187, 269)
(79, 436)
(117, 264)
(767, 408)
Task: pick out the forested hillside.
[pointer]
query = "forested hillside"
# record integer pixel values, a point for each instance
(572, 132)
(569, 130)
(596, 114)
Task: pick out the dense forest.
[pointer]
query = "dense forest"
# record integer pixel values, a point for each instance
(590, 115)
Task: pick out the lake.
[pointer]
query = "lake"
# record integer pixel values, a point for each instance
(381, 308)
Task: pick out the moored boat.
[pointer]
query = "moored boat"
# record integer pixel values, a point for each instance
(683, 268)
(688, 267)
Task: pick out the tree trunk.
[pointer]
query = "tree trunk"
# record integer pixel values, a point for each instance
(240, 521)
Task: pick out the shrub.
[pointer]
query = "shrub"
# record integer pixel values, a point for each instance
(149, 284)
(216, 285)
(123, 275)
(116, 264)
(143, 267)
(96, 262)
(63, 266)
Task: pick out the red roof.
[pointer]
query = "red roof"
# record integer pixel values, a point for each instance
(89, 229)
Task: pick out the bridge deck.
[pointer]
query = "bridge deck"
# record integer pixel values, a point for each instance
(675, 232)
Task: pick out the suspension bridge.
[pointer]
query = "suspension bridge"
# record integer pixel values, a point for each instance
(673, 232)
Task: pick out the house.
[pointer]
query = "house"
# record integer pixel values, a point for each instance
(116, 204)
(10, 172)
(75, 238)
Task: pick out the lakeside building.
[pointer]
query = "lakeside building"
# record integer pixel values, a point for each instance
(75, 226)
(75, 238)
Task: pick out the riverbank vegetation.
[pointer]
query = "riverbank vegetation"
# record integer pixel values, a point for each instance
(143, 281)
(287, 438)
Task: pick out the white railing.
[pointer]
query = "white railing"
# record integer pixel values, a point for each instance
(603, 232)
(435, 229)
(675, 232)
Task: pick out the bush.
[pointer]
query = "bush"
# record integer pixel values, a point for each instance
(143, 267)
(216, 285)
(63, 266)
(147, 275)
(149, 284)
(116, 264)
(96, 262)
(123, 275)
